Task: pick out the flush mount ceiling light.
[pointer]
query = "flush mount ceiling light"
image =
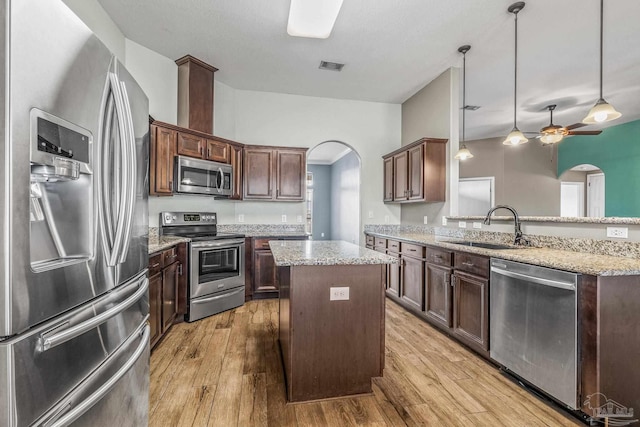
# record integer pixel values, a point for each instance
(464, 153)
(515, 137)
(602, 111)
(313, 18)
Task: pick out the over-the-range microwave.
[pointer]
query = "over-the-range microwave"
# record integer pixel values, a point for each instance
(197, 176)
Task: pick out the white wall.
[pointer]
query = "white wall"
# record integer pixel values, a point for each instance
(158, 77)
(224, 110)
(96, 18)
(345, 187)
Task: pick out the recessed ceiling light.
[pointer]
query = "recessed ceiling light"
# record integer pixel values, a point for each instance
(313, 18)
(331, 66)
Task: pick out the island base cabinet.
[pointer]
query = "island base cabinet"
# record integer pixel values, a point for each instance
(471, 310)
(331, 348)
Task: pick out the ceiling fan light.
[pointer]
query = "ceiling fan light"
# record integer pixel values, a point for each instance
(551, 138)
(463, 153)
(601, 112)
(515, 137)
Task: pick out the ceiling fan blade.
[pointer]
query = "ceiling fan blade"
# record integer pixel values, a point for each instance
(585, 132)
(575, 126)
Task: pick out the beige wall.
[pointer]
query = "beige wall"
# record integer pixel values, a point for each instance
(433, 112)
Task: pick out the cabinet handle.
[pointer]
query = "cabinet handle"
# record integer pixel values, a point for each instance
(155, 265)
(180, 270)
(468, 264)
(438, 256)
(208, 153)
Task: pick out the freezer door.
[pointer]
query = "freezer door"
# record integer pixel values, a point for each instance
(40, 367)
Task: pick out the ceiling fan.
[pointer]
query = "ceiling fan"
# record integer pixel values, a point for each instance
(552, 134)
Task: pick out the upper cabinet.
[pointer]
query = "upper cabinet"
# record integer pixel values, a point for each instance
(274, 173)
(162, 152)
(416, 172)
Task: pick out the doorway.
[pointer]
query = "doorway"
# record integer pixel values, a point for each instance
(333, 196)
(595, 194)
(475, 195)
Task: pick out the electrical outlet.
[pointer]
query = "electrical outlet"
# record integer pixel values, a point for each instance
(241, 218)
(386, 219)
(444, 220)
(321, 234)
(477, 225)
(462, 224)
(619, 232)
(339, 294)
(425, 219)
(370, 214)
(284, 218)
(299, 218)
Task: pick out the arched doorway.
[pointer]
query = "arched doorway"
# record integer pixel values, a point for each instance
(582, 191)
(333, 192)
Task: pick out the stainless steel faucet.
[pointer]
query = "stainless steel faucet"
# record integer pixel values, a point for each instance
(519, 240)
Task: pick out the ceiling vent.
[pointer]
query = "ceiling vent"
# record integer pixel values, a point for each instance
(331, 66)
(471, 107)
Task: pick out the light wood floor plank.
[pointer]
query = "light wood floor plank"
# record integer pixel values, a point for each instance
(226, 370)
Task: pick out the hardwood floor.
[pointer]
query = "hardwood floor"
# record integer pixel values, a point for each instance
(226, 371)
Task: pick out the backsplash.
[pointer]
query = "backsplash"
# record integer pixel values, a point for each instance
(591, 246)
(261, 228)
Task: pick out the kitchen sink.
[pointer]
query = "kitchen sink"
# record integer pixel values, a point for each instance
(485, 245)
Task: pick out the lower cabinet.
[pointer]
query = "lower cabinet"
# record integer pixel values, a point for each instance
(167, 290)
(412, 281)
(471, 310)
(438, 294)
(264, 272)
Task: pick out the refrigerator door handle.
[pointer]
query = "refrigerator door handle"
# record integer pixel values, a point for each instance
(105, 204)
(130, 174)
(55, 337)
(125, 188)
(105, 388)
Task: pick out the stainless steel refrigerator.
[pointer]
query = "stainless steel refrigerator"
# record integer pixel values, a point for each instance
(74, 340)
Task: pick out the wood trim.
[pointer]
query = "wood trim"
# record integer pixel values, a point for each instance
(415, 143)
(588, 372)
(197, 133)
(189, 58)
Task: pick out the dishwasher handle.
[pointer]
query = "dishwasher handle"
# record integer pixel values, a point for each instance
(569, 286)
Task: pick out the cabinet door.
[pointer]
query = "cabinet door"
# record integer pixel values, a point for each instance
(190, 145)
(264, 272)
(169, 295)
(163, 148)
(182, 295)
(412, 281)
(236, 164)
(388, 179)
(218, 151)
(435, 171)
(258, 173)
(400, 176)
(471, 310)
(437, 304)
(155, 308)
(415, 190)
(290, 174)
(393, 281)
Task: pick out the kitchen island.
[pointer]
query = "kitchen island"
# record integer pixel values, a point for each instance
(332, 301)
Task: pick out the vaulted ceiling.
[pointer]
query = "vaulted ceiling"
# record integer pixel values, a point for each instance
(394, 48)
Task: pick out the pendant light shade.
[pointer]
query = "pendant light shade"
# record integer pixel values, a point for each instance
(515, 137)
(602, 111)
(464, 153)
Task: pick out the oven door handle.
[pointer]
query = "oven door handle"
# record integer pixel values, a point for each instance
(216, 245)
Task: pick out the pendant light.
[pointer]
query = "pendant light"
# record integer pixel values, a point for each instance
(515, 137)
(464, 153)
(602, 111)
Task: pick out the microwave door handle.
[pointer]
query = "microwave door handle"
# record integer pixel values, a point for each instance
(105, 388)
(219, 180)
(124, 195)
(130, 176)
(48, 341)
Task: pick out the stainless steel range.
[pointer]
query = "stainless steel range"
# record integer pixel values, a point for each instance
(216, 262)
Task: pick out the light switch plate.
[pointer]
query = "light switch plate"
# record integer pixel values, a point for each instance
(339, 293)
(462, 224)
(284, 218)
(444, 220)
(425, 219)
(370, 214)
(241, 218)
(299, 218)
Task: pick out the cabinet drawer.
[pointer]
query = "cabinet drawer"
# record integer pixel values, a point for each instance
(438, 256)
(262, 243)
(380, 243)
(414, 251)
(370, 240)
(474, 264)
(169, 256)
(393, 246)
(155, 264)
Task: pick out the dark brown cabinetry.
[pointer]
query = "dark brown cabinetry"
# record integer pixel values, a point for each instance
(416, 172)
(190, 145)
(218, 151)
(162, 152)
(438, 290)
(236, 164)
(471, 300)
(195, 94)
(274, 174)
(394, 271)
(167, 290)
(261, 271)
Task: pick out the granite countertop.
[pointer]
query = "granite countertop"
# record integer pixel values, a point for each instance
(578, 262)
(159, 243)
(288, 253)
(268, 234)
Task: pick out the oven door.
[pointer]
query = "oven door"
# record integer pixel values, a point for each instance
(216, 266)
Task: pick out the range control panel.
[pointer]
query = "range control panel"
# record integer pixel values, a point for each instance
(187, 218)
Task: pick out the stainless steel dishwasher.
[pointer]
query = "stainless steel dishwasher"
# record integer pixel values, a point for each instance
(533, 321)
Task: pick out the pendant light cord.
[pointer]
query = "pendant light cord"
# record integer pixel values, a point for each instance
(601, 43)
(515, 72)
(464, 92)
